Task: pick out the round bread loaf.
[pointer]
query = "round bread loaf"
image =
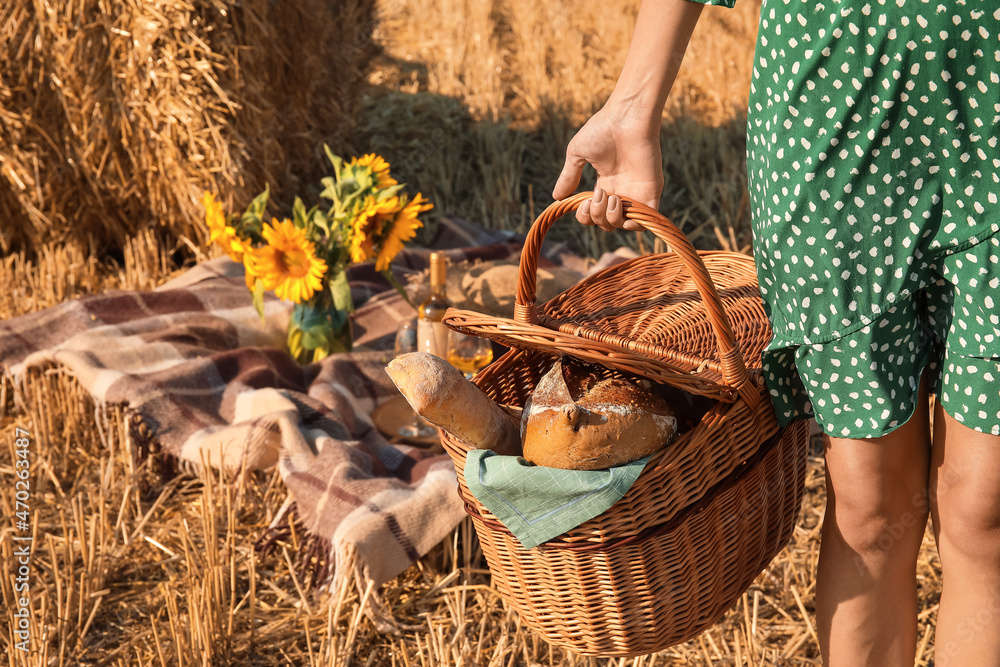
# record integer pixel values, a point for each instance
(605, 422)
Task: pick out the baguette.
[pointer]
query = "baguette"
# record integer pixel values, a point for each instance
(440, 394)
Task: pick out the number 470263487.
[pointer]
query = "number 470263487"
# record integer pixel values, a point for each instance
(22, 470)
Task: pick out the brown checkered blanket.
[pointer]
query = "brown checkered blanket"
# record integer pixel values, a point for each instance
(203, 380)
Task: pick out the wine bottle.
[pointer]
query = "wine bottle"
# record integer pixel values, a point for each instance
(432, 334)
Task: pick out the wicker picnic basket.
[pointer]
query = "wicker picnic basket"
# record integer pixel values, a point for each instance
(710, 511)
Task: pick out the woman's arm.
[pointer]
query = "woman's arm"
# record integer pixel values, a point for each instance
(622, 140)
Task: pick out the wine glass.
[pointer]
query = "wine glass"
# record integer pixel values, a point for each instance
(406, 341)
(469, 354)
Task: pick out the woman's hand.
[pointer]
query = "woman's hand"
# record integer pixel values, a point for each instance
(626, 155)
(622, 140)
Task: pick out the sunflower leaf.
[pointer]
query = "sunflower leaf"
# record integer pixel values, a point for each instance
(316, 324)
(318, 217)
(335, 160)
(315, 337)
(299, 217)
(253, 228)
(258, 297)
(340, 290)
(363, 177)
(255, 211)
(309, 320)
(338, 319)
(391, 191)
(349, 182)
(330, 190)
(352, 199)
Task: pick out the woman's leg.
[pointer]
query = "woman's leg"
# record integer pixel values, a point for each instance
(965, 504)
(876, 513)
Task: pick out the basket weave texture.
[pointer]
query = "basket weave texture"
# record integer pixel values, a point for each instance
(688, 318)
(710, 511)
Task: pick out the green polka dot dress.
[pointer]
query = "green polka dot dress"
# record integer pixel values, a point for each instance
(873, 156)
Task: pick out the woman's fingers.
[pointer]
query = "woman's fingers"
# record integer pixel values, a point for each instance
(606, 211)
(615, 213)
(599, 209)
(569, 178)
(595, 211)
(630, 225)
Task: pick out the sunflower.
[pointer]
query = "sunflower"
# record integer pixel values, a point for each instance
(288, 263)
(403, 228)
(220, 232)
(368, 226)
(379, 167)
(250, 268)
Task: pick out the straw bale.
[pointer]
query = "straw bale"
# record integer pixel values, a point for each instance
(116, 114)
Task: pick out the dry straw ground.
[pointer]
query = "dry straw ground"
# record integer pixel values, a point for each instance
(472, 101)
(115, 115)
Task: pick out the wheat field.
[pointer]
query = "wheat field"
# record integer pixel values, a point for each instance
(472, 102)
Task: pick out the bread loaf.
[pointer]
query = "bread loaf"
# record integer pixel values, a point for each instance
(440, 394)
(577, 420)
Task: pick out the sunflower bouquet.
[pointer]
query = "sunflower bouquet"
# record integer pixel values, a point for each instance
(304, 259)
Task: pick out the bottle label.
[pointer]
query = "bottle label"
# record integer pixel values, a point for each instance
(432, 337)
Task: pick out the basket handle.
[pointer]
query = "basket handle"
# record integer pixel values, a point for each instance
(734, 370)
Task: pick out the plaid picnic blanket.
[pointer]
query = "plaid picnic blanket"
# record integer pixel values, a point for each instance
(203, 380)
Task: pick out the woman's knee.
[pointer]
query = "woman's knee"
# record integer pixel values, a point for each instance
(879, 529)
(965, 492)
(877, 494)
(968, 522)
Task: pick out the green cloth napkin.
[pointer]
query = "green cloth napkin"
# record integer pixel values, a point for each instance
(537, 503)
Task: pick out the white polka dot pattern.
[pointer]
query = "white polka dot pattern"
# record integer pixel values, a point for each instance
(873, 150)
(864, 385)
(873, 143)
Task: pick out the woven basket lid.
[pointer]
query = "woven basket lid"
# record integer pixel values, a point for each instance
(691, 319)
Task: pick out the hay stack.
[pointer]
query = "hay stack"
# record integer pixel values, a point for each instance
(116, 114)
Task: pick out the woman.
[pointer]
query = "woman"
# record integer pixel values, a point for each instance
(872, 163)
